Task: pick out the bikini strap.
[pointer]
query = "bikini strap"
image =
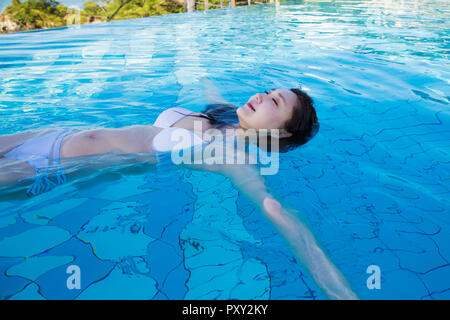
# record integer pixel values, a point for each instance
(169, 117)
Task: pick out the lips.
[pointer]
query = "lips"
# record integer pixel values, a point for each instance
(250, 106)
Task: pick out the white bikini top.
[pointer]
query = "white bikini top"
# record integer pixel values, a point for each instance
(174, 138)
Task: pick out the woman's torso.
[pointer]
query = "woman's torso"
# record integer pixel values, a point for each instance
(130, 139)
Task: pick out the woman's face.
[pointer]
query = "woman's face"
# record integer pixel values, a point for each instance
(270, 110)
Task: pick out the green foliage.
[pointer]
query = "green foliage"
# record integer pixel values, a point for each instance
(141, 8)
(215, 4)
(35, 14)
(91, 11)
(92, 8)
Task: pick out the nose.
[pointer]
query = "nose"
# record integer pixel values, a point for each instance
(259, 98)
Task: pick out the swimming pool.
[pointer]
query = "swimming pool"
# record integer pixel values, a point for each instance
(373, 183)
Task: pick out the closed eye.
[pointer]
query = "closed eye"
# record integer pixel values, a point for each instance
(268, 92)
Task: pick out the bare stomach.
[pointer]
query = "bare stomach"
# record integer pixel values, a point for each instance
(131, 139)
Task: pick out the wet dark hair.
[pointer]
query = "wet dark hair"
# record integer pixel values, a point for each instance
(303, 124)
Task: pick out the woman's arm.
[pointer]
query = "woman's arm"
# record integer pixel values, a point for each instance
(212, 93)
(307, 250)
(291, 225)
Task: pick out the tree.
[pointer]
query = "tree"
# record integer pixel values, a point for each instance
(108, 3)
(126, 9)
(36, 14)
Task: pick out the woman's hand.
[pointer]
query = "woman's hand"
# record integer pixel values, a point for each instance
(307, 250)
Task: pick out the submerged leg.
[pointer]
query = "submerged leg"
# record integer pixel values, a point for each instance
(12, 170)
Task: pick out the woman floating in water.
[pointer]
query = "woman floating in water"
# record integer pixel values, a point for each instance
(288, 114)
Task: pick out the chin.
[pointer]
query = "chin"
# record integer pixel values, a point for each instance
(240, 111)
(242, 121)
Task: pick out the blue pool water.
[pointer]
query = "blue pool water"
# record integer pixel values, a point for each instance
(373, 183)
